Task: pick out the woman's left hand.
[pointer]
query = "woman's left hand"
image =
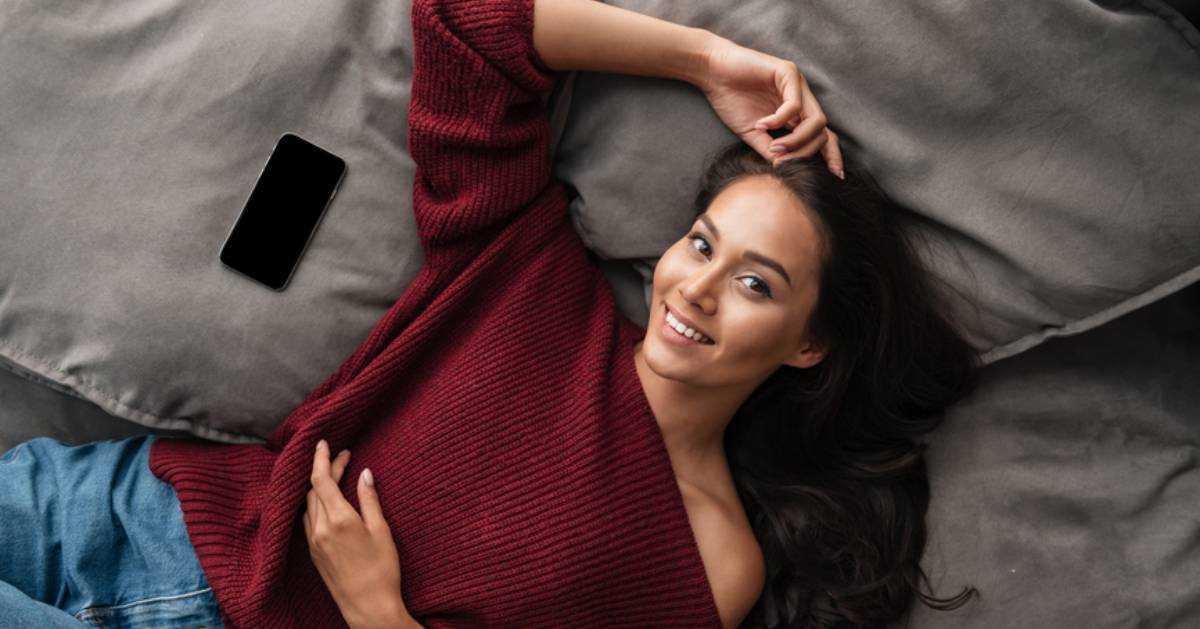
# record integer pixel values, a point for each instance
(355, 555)
(752, 91)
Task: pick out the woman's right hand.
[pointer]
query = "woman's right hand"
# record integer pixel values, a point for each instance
(752, 91)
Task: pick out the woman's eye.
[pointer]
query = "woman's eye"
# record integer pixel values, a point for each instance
(705, 250)
(766, 290)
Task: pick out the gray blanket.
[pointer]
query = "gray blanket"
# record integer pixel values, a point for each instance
(1066, 488)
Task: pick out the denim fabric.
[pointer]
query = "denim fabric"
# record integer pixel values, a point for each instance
(90, 537)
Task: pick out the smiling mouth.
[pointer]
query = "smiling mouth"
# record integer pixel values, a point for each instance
(697, 338)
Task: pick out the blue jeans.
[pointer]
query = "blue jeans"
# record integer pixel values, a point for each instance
(90, 537)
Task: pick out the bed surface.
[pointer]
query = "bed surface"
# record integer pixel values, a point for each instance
(1066, 487)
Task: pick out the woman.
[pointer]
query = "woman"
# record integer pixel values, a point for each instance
(521, 454)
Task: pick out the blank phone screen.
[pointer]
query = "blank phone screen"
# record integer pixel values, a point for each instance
(282, 211)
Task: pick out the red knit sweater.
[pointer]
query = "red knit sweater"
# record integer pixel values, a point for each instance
(518, 462)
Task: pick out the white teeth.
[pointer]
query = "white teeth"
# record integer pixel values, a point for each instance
(684, 330)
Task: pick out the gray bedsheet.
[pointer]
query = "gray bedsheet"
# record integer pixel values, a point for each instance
(1065, 488)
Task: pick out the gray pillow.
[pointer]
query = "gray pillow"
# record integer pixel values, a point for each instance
(131, 136)
(1048, 150)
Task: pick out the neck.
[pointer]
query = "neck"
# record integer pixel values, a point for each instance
(692, 420)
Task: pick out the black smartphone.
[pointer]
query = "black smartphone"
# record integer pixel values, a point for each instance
(279, 218)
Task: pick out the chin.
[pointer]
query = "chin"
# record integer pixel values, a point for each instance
(664, 362)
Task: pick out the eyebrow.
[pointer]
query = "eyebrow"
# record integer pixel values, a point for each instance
(749, 255)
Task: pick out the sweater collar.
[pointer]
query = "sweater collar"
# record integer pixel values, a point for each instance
(629, 334)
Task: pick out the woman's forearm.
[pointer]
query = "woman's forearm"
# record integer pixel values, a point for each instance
(590, 35)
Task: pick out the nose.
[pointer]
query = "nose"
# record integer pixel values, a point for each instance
(699, 289)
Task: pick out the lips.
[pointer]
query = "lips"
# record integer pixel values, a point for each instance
(688, 322)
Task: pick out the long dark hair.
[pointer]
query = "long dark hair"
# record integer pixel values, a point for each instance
(824, 458)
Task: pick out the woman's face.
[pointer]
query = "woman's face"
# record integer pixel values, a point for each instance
(720, 276)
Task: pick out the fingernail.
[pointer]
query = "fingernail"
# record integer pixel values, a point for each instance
(320, 444)
(370, 480)
(775, 148)
(346, 452)
(841, 173)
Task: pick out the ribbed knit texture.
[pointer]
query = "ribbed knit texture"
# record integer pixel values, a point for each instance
(518, 462)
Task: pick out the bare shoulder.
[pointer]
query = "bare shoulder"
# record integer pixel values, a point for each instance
(733, 559)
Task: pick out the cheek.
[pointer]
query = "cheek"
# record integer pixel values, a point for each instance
(755, 333)
(750, 331)
(672, 268)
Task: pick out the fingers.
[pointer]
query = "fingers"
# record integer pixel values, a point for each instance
(832, 152)
(803, 137)
(806, 149)
(328, 493)
(339, 465)
(368, 499)
(314, 516)
(809, 130)
(310, 514)
(804, 116)
(786, 112)
(829, 147)
(793, 97)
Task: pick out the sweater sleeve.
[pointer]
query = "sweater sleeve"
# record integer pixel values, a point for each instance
(479, 132)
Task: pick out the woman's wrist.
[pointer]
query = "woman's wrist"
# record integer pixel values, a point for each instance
(592, 36)
(408, 622)
(403, 621)
(386, 616)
